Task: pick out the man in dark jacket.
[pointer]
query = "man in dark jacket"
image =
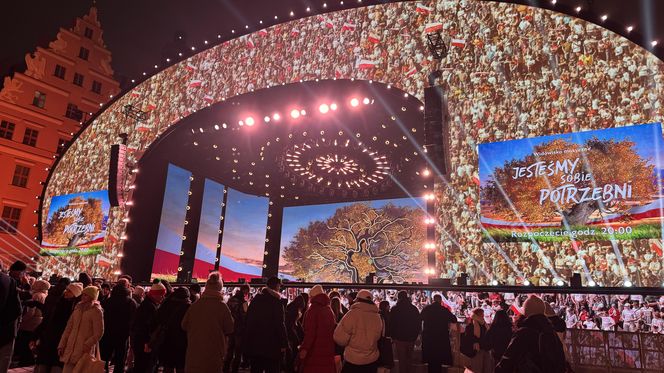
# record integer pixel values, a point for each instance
(119, 310)
(436, 347)
(535, 346)
(238, 305)
(266, 339)
(10, 310)
(405, 325)
(142, 328)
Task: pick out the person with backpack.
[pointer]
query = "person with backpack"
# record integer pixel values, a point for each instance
(535, 347)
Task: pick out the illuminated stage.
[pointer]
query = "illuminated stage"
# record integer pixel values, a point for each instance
(513, 72)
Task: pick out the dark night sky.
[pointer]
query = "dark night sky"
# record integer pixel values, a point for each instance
(142, 33)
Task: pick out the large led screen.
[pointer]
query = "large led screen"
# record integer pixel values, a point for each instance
(76, 224)
(208, 230)
(585, 186)
(344, 242)
(171, 226)
(243, 242)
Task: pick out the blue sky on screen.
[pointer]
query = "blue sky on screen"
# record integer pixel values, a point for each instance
(300, 216)
(208, 230)
(63, 200)
(173, 210)
(244, 226)
(648, 139)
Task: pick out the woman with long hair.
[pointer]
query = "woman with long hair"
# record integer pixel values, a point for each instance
(498, 337)
(476, 330)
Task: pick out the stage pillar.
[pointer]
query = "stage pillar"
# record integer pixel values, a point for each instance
(275, 215)
(222, 219)
(192, 222)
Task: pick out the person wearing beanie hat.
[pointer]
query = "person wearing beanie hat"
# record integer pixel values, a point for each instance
(207, 322)
(266, 336)
(75, 289)
(171, 341)
(359, 332)
(535, 344)
(317, 349)
(142, 328)
(17, 272)
(83, 331)
(32, 317)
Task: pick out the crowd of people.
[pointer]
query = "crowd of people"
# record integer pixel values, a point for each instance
(57, 325)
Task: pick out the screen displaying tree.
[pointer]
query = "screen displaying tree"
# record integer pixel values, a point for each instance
(347, 241)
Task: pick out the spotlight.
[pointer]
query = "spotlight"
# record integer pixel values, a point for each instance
(554, 2)
(429, 196)
(604, 17)
(630, 28)
(426, 172)
(560, 283)
(249, 121)
(405, 95)
(216, 127)
(266, 119)
(354, 102)
(366, 101)
(276, 116)
(653, 43)
(628, 284)
(333, 107)
(117, 273)
(241, 123)
(578, 9)
(494, 282)
(323, 108)
(526, 283)
(303, 112)
(295, 113)
(591, 283)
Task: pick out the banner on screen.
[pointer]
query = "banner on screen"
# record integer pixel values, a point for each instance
(76, 224)
(594, 185)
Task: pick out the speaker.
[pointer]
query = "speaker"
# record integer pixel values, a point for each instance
(371, 278)
(258, 280)
(575, 280)
(440, 281)
(436, 128)
(462, 280)
(117, 171)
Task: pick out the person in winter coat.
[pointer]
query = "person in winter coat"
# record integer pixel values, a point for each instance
(10, 311)
(170, 340)
(359, 332)
(405, 326)
(498, 337)
(266, 339)
(294, 329)
(535, 344)
(48, 334)
(119, 311)
(32, 317)
(436, 347)
(476, 329)
(317, 349)
(54, 295)
(207, 322)
(142, 327)
(238, 305)
(83, 331)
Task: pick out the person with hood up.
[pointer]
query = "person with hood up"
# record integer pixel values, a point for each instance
(359, 332)
(317, 349)
(119, 311)
(170, 341)
(83, 331)
(207, 322)
(535, 344)
(142, 327)
(266, 338)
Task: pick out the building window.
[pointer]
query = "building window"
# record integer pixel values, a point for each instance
(30, 137)
(78, 79)
(62, 144)
(96, 87)
(6, 130)
(20, 178)
(73, 112)
(60, 71)
(10, 218)
(39, 100)
(83, 53)
(88, 33)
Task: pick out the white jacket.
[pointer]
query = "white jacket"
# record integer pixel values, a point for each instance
(359, 331)
(84, 330)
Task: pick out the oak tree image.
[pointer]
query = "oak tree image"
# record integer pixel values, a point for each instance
(570, 181)
(79, 221)
(358, 240)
